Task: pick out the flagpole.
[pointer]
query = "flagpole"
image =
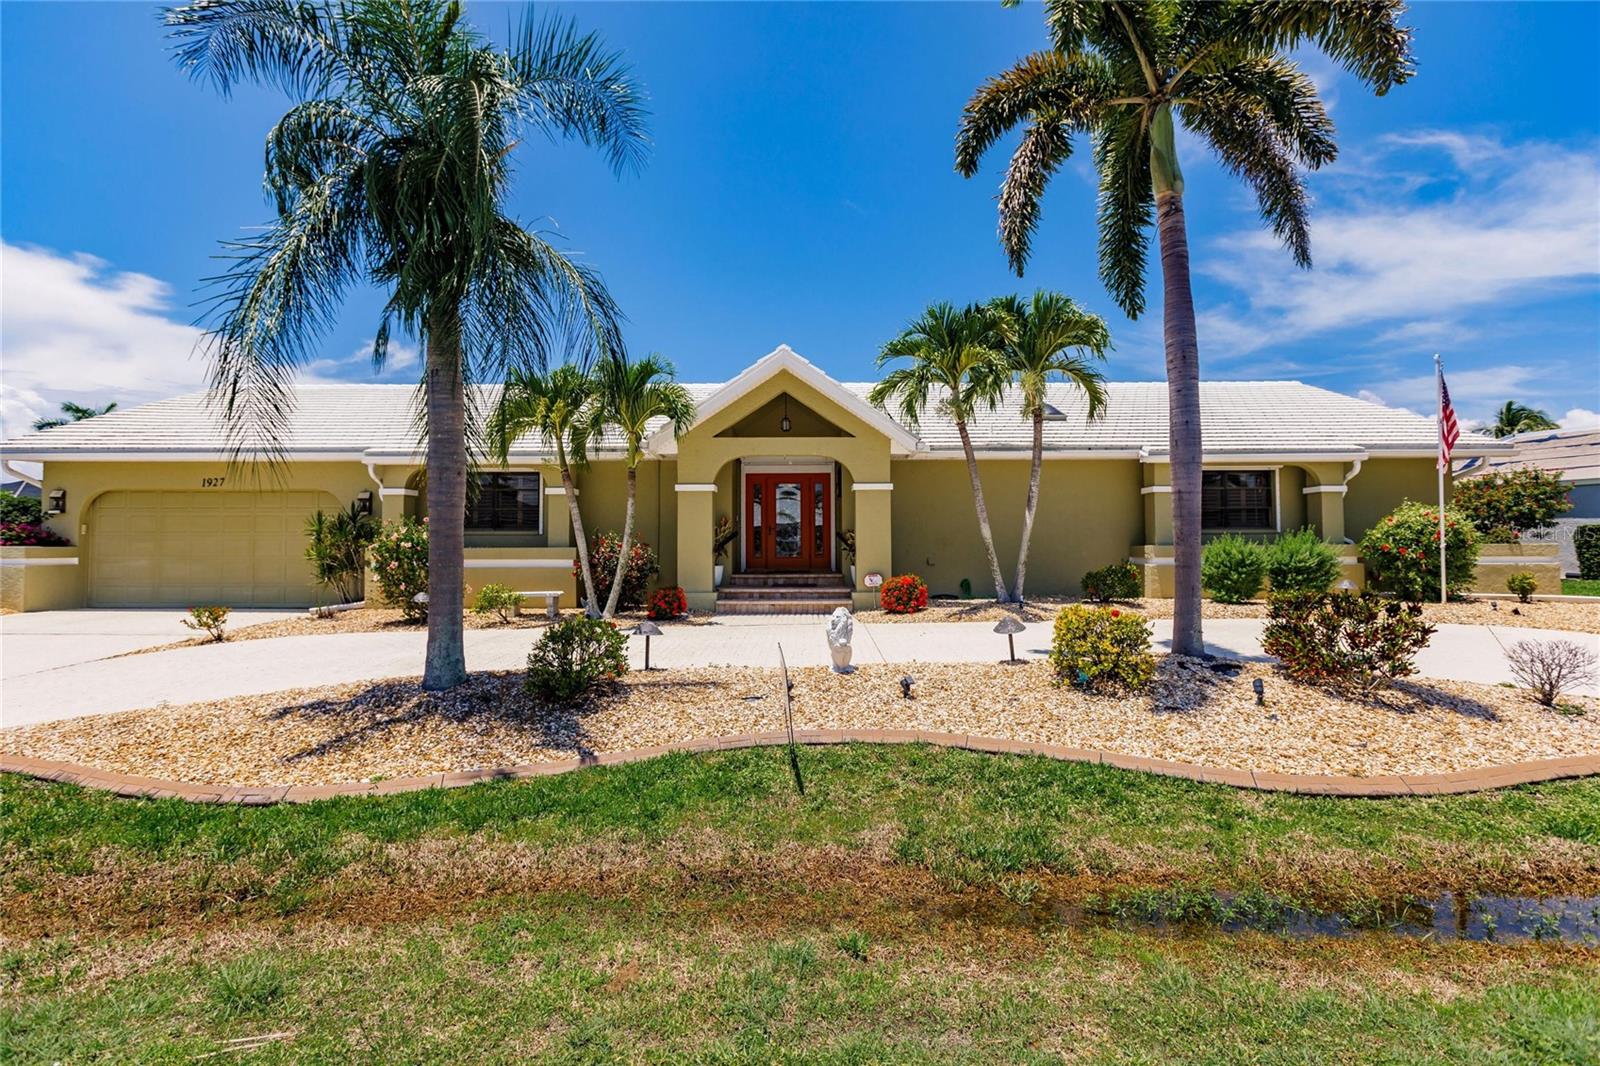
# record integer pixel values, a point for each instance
(1438, 394)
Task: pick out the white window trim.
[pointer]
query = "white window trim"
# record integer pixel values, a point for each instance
(691, 486)
(1277, 497)
(542, 507)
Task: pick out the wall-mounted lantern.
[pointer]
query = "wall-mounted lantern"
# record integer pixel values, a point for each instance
(364, 501)
(58, 502)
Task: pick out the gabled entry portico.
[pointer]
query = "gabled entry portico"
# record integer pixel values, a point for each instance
(793, 457)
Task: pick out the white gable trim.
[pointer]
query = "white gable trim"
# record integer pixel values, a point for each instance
(781, 358)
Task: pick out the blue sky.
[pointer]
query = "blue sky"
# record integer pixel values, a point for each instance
(800, 191)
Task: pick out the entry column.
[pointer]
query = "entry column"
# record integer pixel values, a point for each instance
(694, 543)
(874, 538)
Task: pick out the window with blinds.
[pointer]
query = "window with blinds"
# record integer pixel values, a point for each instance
(1236, 499)
(504, 502)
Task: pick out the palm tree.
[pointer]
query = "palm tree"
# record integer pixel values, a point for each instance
(1049, 337)
(560, 407)
(1513, 418)
(631, 395)
(393, 168)
(957, 353)
(74, 412)
(1122, 73)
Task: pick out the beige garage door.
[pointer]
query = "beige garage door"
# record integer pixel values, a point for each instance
(180, 549)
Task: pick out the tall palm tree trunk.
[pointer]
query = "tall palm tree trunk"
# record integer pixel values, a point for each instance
(446, 662)
(1033, 501)
(983, 512)
(1183, 429)
(627, 544)
(590, 604)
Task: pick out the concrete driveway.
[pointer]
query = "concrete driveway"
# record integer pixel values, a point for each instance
(49, 640)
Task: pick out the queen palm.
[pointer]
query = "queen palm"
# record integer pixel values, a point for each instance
(1046, 338)
(1516, 418)
(74, 412)
(561, 408)
(393, 168)
(956, 363)
(1124, 74)
(631, 395)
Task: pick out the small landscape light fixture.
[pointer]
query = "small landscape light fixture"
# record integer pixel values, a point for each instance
(58, 501)
(1347, 585)
(647, 629)
(1010, 626)
(783, 423)
(1260, 689)
(905, 687)
(364, 501)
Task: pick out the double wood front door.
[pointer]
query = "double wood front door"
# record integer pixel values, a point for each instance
(788, 522)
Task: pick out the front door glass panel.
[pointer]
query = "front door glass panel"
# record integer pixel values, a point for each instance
(786, 512)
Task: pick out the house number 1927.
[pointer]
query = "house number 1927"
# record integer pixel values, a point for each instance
(211, 482)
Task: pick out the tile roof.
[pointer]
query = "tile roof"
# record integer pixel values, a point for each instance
(1238, 417)
(1575, 453)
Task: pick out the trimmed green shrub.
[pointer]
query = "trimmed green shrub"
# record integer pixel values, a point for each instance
(1352, 641)
(1523, 584)
(903, 594)
(337, 549)
(1119, 581)
(1401, 552)
(400, 562)
(604, 548)
(1301, 564)
(20, 509)
(212, 621)
(575, 660)
(497, 599)
(1102, 648)
(1586, 539)
(1519, 500)
(1233, 568)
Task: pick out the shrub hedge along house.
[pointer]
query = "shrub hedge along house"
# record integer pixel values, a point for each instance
(156, 517)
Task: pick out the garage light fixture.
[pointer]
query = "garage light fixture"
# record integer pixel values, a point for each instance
(58, 501)
(364, 501)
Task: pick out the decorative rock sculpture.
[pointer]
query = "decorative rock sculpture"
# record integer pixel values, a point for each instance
(841, 626)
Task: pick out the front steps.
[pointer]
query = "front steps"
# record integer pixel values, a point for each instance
(779, 593)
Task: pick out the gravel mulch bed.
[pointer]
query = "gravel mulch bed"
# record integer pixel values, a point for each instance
(390, 729)
(1541, 614)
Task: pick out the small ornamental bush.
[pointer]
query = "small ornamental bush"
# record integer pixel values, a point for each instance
(337, 549)
(1101, 649)
(1586, 539)
(1352, 641)
(14, 509)
(1119, 581)
(499, 600)
(1523, 584)
(400, 563)
(29, 535)
(210, 620)
(642, 569)
(1233, 568)
(575, 659)
(1551, 667)
(668, 602)
(904, 594)
(1301, 564)
(1401, 552)
(1518, 500)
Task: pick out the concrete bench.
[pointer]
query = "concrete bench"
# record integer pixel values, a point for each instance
(552, 601)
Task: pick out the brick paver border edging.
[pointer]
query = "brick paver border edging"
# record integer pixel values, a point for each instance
(1489, 777)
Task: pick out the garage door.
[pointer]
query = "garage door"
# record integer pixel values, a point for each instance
(179, 549)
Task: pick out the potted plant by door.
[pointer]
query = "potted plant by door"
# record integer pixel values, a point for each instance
(721, 537)
(847, 549)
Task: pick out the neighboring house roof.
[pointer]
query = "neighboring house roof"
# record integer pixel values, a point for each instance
(20, 488)
(377, 423)
(1575, 453)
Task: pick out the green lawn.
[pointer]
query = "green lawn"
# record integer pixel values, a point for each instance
(695, 907)
(1572, 586)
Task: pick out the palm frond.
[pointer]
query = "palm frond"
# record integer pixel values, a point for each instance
(1070, 88)
(1363, 36)
(1046, 144)
(1252, 146)
(569, 84)
(1280, 89)
(296, 45)
(1126, 208)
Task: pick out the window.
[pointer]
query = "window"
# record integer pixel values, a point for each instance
(505, 502)
(1236, 499)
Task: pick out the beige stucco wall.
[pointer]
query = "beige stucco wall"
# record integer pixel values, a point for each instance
(1382, 485)
(1090, 514)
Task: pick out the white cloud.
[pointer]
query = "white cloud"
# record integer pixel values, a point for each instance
(358, 364)
(74, 328)
(1467, 150)
(1527, 225)
(1579, 418)
(1371, 397)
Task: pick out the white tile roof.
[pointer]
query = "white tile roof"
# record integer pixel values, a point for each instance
(1244, 417)
(1575, 453)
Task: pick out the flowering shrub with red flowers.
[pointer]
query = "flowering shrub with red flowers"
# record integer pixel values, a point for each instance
(1401, 552)
(29, 535)
(904, 594)
(604, 548)
(1516, 500)
(668, 602)
(400, 562)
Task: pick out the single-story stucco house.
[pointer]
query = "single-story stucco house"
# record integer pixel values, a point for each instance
(156, 517)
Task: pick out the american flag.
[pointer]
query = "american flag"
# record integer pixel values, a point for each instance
(1449, 432)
